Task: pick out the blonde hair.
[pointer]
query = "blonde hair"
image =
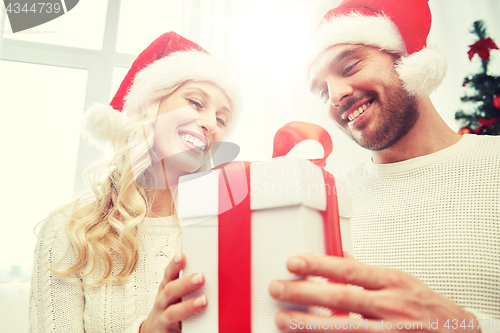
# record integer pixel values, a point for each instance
(104, 221)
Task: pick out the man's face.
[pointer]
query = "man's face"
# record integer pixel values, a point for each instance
(364, 94)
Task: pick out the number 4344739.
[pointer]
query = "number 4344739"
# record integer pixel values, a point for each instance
(485, 323)
(35, 8)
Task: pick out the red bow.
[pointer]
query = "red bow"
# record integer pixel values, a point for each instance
(294, 132)
(485, 123)
(482, 47)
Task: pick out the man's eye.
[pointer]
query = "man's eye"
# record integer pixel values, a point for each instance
(195, 103)
(350, 68)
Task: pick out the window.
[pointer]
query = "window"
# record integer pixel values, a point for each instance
(71, 29)
(42, 111)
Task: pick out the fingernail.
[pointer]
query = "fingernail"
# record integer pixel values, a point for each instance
(282, 321)
(197, 278)
(296, 264)
(178, 258)
(200, 301)
(276, 289)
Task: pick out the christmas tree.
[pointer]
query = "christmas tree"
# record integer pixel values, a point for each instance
(485, 118)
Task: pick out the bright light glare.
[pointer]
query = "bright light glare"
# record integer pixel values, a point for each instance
(143, 21)
(272, 38)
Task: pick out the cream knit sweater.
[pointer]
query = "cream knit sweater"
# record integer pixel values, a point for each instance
(436, 217)
(61, 304)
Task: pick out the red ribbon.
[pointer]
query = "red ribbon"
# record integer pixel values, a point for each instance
(482, 47)
(331, 221)
(235, 226)
(234, 250)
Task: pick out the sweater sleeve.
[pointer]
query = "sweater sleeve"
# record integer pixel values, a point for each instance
(56, 302)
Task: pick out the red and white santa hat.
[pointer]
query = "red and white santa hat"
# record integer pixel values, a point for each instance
(169, 60)
(396, 26)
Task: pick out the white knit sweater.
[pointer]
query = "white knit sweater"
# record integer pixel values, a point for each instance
(61, 304)
(436, 217)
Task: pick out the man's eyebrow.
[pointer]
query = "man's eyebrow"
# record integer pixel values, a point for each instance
(335, 61)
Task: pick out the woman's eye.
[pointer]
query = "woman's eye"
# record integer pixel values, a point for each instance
(195, 103)
(323, 94)
(221, 121)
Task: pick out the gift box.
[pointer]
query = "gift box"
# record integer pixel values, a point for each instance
(242, 221)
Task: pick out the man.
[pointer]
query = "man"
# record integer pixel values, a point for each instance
(428, 211)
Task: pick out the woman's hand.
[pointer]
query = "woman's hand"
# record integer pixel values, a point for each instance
(168, 310)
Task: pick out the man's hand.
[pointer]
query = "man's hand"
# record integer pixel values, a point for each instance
(389, 295)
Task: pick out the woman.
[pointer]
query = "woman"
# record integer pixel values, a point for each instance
(100, 261)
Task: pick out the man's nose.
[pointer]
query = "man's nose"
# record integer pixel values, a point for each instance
(339, 90)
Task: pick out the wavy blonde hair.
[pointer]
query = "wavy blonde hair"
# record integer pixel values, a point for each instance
(105, 220)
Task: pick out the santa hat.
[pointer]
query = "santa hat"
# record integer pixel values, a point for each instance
(396, 26)
(169, 60)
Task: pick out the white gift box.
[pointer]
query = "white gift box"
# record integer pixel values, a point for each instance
(287, 197)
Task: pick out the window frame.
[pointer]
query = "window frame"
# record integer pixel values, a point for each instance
(99, 65)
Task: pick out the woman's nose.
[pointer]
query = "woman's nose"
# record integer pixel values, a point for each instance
(208, 121)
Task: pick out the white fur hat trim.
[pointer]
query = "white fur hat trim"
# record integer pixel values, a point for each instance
(100, 124)
(378, 31)
(423, 71)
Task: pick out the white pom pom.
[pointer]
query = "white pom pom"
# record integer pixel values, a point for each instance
(100, 124)
(423, 71)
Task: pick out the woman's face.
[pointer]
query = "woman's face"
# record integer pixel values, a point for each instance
(189, 120)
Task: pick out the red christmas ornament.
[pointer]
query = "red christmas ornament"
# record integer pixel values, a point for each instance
(482, 47)
(464, 130)
(496, 101)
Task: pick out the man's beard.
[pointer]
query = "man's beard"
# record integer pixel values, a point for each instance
(398, 115)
